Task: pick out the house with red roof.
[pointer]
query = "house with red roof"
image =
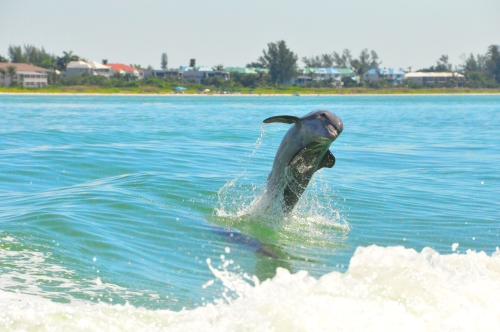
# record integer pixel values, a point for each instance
(124, 69)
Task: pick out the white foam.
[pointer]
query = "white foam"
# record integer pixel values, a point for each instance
(384, 289)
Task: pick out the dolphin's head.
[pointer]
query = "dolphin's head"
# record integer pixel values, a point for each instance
(320, 124)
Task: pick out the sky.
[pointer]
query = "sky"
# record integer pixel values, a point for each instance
(404, 33)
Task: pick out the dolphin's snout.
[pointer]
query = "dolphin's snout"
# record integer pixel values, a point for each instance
(339, 126)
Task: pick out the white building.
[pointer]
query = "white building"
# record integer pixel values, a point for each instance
(77, 68)
(434, 77)
(392, 76)
(91, 68)
(27, 75)
(100, 69)
(124, 70)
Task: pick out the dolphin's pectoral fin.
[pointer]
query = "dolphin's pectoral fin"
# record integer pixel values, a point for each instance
(328, 160)
(282, 118)
(302, 161)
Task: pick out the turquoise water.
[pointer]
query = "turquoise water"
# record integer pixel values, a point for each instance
(114, 204)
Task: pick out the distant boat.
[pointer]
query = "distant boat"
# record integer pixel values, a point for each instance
(296, 95)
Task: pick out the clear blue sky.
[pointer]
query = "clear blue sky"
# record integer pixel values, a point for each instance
(234, 32)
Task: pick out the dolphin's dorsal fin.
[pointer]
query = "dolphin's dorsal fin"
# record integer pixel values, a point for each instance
(282, 118)
(327, 161)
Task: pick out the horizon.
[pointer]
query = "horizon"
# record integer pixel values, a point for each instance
(234, 34)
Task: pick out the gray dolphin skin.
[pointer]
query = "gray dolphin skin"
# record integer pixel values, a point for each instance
(303, 151)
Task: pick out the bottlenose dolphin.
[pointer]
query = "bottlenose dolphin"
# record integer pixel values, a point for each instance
(303, 150)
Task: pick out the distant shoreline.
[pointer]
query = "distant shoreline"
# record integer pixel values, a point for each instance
(248, 95)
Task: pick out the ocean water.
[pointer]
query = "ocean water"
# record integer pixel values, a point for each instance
(115, 210)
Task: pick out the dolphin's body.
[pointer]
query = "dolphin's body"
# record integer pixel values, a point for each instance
(303, 151)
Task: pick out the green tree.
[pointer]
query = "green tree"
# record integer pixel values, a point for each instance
(281, 62)
(374, 61)
(344, 60)
(69, 56)
(16, 54)
(357, 67)
(218, 67)
(254, 65)
(11, 70)
(3, 59)
(164, 61)
(348, 82)
(493, 62)
(442, 65)
(38, 57)
(3, 74)
(319, 61)
(61, 62)
(365, 62)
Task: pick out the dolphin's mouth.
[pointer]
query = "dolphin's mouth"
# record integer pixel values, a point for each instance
(333, 132)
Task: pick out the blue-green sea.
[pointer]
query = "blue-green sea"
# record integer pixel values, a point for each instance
(116, 214)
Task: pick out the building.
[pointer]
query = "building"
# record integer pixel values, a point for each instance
(392, 76)
(27, 75)
(346, 72)
(241, 70)
(304, 76)
(77, 68)
(92, 68)
(434, 77)
(124, 70)
(100, 69)
(163, 73)
(201, 73)
(309, 75)
(225, 75)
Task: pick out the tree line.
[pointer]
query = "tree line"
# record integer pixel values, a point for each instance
(481, 70)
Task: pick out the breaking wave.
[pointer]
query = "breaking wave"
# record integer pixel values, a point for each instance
(384, 289)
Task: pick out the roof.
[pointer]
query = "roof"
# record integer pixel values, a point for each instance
(345, 71)
(97, 65)
(77, 64)
(333, 70)
(391, 71)
(385, 71)
(327, 71)
(433, 74)
(120, 66)
(23, 67)
(242, 70)
(204, 69)
(31, 73)
(306, 70)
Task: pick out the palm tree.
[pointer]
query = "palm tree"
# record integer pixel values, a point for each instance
(61, 62)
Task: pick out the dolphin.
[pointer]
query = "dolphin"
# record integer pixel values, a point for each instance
(303, 151)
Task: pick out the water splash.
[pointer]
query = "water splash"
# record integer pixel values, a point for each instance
(316, 218)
